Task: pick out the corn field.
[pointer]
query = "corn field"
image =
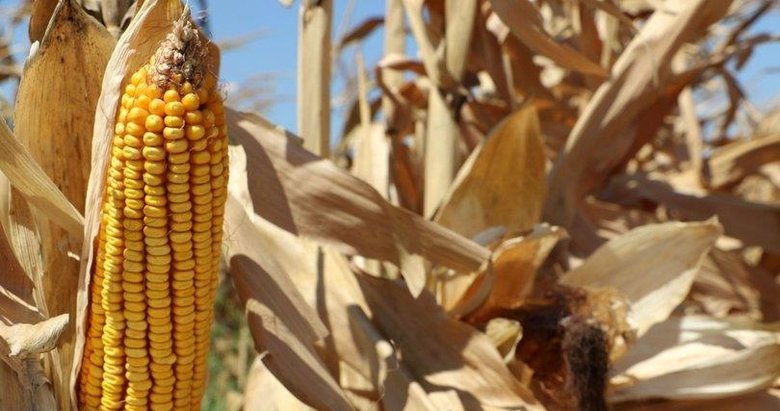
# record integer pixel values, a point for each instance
(528, 205)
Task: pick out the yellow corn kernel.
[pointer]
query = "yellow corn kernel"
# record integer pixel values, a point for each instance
(156, 261)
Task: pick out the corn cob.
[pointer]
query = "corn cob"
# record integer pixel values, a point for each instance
(157, 260)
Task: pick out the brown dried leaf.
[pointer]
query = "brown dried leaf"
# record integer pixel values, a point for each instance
(280, 320)
(401, 62)
(637, 77)
(361, 31)
(28, 177)
(58, 137)
(264, 392)
(25, 340)
(519, 15)
(311, 197)
(653, 266)
(732, 162)
(502, 182)
(698, 358)
(741, 219)
(40, 15)
(441, 351)
(509, 277)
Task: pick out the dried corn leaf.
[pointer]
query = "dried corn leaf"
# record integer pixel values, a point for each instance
(502, 182)
(59, 137)
(726, 286)
(40, 16)
(15, 283)
(264, 392)
(292, 357)
(509, 277)
(653, 266)
(637, 77)
(441, 351)
(325, 280)
(732, 162)
(699, 358)
(744, 220)
(28, 177)
(523, 19)
(280, 320)
(25, 340)
(361, 31)
(291, 187)
(758, 401)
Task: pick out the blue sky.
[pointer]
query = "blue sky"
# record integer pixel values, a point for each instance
(275, 51)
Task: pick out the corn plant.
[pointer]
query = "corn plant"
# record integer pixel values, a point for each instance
(537, 208)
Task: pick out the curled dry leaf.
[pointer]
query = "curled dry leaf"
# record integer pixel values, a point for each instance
(441, 351)
(637, 77)
(501, 184)
(28, 177)
(40, 15)
(265, 393)
(361, 31)
(282, 323)
(509, 277)
(744, 220)
(24, 340)
(698, 358)
(290, 187)
(732, 162)
(519, 15)
(653, 266)
(58, 137)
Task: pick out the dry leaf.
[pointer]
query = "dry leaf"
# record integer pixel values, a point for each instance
(441, 351)
(281, 320)
(699, 358)
(510, 276)
(732, 162)
(264, 392)
(637, 77)
(291, 187)
(28, 177)
(744, 220)
(518, 15)
(40, 15)
(653, 266)
(59, 137)
(361, 31)
(502, 182)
